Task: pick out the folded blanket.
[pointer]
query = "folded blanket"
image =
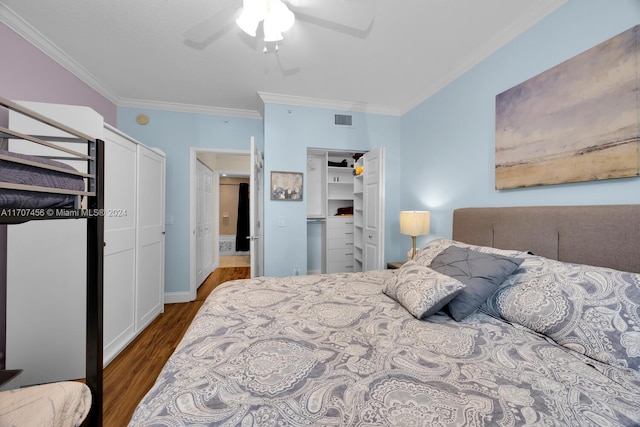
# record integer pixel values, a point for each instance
(61, 404)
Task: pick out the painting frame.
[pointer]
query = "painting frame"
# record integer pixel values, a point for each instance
(286, 186)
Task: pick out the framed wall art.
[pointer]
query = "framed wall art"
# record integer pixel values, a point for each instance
(286, 185)
(577, 121)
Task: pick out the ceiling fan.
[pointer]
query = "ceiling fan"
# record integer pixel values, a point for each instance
(270, 18)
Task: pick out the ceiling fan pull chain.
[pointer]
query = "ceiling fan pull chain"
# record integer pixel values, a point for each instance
(265, 50)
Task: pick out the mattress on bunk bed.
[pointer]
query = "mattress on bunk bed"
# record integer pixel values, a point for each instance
(18, 173)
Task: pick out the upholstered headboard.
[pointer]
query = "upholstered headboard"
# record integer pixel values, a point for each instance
(604, 235)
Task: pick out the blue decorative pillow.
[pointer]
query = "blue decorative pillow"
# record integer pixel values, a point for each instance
(421, 290)
(592, 310)
(434, 247)
(482, 273)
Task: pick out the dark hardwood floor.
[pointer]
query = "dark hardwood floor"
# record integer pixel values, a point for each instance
(132, 373)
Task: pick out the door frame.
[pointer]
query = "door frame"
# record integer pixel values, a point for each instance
(193, 152)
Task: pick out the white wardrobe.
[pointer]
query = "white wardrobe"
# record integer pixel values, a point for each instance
(134, 243)
(41, 252)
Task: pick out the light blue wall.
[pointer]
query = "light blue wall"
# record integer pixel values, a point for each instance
(175, 133)
(288, 132)
(439, 156)
(448, 141)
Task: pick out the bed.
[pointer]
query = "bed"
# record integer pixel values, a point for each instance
(44, 187)
(540, 338)
(20, 171)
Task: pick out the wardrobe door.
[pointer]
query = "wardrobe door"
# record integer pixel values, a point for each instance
(120, 243)
(150, 239)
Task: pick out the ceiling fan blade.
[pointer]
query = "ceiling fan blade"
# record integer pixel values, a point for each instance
(286, 71)
(218, 22)
(352, 15)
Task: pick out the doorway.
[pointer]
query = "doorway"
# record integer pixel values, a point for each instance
(233, 226)
(235, 163)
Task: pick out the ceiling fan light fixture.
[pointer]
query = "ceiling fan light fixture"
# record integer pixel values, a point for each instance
(253, 11)
(271, 32)
(281, 15)
(275, 16)
(247, 23)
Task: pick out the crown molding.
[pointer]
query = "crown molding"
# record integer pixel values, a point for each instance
(538, 11)
(301, 101)
(21, 27)
(188, 108)
(37, 39)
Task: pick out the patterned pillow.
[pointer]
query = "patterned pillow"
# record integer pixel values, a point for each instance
(421, 290)
(592, 310)
(481, 272)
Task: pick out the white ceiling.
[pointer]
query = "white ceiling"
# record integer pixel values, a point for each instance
(135, 52)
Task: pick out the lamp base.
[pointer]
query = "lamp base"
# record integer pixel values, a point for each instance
(412, 252)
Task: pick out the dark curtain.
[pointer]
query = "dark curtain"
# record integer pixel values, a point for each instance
(242, 230)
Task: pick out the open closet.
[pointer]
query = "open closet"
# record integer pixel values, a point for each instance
(345, 215)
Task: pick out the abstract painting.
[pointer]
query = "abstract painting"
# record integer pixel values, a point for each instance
(577, 121)
(286, 185)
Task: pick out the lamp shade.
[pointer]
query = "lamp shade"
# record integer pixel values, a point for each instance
(415, 223)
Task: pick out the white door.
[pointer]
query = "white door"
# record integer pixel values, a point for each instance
(150, 240)
(373, 238)
(255, 211)
(204, 222)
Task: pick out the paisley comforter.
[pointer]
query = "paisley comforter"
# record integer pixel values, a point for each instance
(334, 350)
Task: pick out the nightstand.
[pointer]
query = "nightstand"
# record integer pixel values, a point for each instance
(395, 265)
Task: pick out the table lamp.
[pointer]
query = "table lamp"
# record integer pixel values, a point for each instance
(414, 223)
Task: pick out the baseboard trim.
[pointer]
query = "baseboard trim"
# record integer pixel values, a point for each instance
(176, 297)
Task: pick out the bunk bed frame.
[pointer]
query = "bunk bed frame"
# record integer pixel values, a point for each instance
(91, 211)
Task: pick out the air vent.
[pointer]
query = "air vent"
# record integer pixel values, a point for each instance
(343, 120)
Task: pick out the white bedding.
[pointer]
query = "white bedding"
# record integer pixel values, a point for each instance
(61, 404)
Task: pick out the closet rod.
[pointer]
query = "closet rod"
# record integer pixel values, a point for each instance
(316, 220)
